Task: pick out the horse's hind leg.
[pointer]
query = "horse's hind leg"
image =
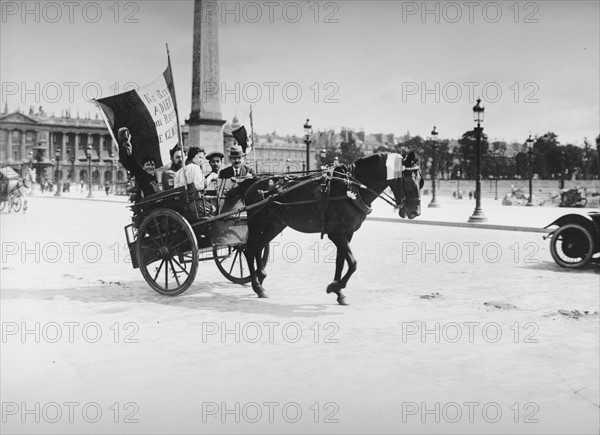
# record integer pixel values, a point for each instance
(268, 234)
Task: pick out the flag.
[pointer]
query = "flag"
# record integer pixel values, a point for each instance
(241, 137)
(150, 114)
(394, 166)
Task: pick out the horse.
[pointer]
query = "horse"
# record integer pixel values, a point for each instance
(335, 202)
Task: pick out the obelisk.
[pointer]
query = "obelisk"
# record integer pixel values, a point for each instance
(206, 125)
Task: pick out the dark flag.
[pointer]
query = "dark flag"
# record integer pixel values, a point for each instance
(150, 115)
(241, 137)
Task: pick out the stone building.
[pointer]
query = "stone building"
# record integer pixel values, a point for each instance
(37, 139)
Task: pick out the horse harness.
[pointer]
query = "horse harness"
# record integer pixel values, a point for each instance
(346, 176)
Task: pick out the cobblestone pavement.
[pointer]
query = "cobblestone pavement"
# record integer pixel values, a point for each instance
(450, 330)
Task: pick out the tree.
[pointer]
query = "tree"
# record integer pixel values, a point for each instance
(349, 151)
(467, 149)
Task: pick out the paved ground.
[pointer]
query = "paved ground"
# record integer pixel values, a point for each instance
(451, 330)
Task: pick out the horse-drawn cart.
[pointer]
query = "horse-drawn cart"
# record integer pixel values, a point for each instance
(10, 189)
(172, 233)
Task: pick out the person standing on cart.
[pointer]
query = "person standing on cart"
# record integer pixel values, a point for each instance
(145, 176)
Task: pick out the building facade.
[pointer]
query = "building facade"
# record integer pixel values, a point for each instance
(57, 147)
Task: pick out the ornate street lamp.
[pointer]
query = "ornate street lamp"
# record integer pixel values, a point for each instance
(478, 215)
(561, 183)
(530, 167)
(307, 136)
(57, 178)
(89, 157)
(433, 203)
(112, 172)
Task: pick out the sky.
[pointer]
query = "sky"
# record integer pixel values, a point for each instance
(381, 66)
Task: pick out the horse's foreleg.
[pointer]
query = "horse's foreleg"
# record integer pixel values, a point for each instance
(343, 254)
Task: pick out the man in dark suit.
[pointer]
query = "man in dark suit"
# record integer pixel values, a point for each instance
(236, 157)
(237, 168)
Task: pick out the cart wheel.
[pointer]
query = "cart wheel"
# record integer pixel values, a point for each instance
(572, 246)
(2, 205)
(231, 261)
(167, 252)
(16, 203)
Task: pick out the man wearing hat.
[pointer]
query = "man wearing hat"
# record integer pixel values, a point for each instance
(236, 156)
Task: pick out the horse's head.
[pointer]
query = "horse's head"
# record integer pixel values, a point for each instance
(407, 187)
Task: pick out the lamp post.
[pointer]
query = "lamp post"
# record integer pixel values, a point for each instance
(433, 203)
(307, 135)
(530, 167)
(57, 178)
(89, 157)
(112, 173)
(478, 215)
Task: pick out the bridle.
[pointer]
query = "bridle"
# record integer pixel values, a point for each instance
(413, 172)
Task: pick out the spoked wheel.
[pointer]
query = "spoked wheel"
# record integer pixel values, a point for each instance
(231, 261)
(16, 203)
(3, 204)
(572, 246)
(167, 252)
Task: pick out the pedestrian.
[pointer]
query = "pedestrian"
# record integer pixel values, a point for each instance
(107, 187)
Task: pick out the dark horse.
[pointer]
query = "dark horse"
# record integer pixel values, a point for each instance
(335, 203)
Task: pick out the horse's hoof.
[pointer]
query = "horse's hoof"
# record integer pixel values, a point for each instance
(343, 301)
(334, 287)
(262, 295)
(261, 277)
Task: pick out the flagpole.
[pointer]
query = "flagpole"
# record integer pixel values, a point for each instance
(252, 136)
(177, 118)
(107, 124)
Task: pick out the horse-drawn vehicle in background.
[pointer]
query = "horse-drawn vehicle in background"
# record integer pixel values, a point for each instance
(576, 241)
(171, 234)
(13, 189)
